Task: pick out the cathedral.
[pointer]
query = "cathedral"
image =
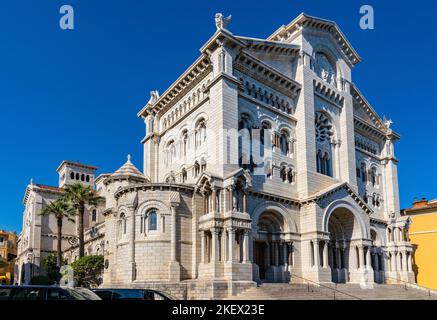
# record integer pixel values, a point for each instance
(263, 162)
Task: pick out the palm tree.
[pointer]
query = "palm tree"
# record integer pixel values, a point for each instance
(61, 210)
(79, 196)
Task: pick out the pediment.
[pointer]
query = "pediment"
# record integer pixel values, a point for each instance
(338, 191)
(364, 111)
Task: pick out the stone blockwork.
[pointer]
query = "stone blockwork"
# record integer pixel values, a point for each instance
(262, 163)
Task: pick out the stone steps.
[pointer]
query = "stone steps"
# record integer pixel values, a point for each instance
(285, 291)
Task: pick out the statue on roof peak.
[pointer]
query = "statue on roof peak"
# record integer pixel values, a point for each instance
(221, 22)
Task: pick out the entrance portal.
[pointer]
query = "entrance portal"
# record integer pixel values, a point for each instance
(271, 252)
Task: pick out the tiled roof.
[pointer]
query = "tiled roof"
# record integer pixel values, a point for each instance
(50, 188)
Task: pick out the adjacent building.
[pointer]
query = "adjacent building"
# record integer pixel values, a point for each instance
(8, 253)
(423, 237)
(38, 237)
(263, 162)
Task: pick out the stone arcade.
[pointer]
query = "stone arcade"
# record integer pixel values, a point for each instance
(201, 222)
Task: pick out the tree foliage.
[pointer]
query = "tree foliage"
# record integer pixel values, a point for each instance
(88, 271)
(50, 265)
(79, 196)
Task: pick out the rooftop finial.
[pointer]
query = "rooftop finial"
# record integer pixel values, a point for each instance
(128, 158)
(221, 22)
(154, 96)
(31, 181)
(387, 122)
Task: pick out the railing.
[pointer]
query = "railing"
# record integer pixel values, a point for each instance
(407, 284)
(333, 290)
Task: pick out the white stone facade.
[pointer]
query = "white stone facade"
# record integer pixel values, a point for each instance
(263, 162)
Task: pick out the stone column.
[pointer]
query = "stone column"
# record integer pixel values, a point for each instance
(285, 254)
(173, 234)
(244, 202)
(405, 262)
(223, 245)
(132, 246)
(316, 253)
(214, 245)
(230, 199)
(175, 269)
(205, 203)
(276, 246)
(399, 261)
(325, 254)
(267, 257)
(231, 254)
(202, 246)
(246, 246)
(369, 262)
(214, 200)
(338, 253)
(361, 256)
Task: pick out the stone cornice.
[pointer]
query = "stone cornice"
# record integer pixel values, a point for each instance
(328, 93)
(275, 198)
(378, 124)
(271, 47)
(368, 128)
(195, 73)
(333, 189)
(306, 21)
(153, 187)
(258, 70)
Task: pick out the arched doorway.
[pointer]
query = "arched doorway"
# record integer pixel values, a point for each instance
(346, 253)
(272, 254)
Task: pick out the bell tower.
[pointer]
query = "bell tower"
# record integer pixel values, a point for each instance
(73, 172)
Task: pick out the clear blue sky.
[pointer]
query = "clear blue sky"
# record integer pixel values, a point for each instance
(75, 94)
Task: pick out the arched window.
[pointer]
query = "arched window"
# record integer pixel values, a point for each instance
(327, 165)
(319, 161)
(72, 175)
(94, 215)
(200, 133)
(290, 175)
(87, 178)
(196, 169)
(82, 177)
(184, 175)
(363, 173)
(77, 176)
(283, 173)
(122, 225)
(324, 133)
(265, 136)
(152, 218)
(284, 142)
(373, 176)
(184, 143)
(171, 152)
(245, 142)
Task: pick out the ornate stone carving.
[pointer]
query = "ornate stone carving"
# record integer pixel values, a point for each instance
(323, 128)
(325, 70)
(221, 22)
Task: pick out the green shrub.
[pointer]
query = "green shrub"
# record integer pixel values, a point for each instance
(88, 271)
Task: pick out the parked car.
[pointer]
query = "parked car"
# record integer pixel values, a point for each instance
(132, 294)
(45, 293)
